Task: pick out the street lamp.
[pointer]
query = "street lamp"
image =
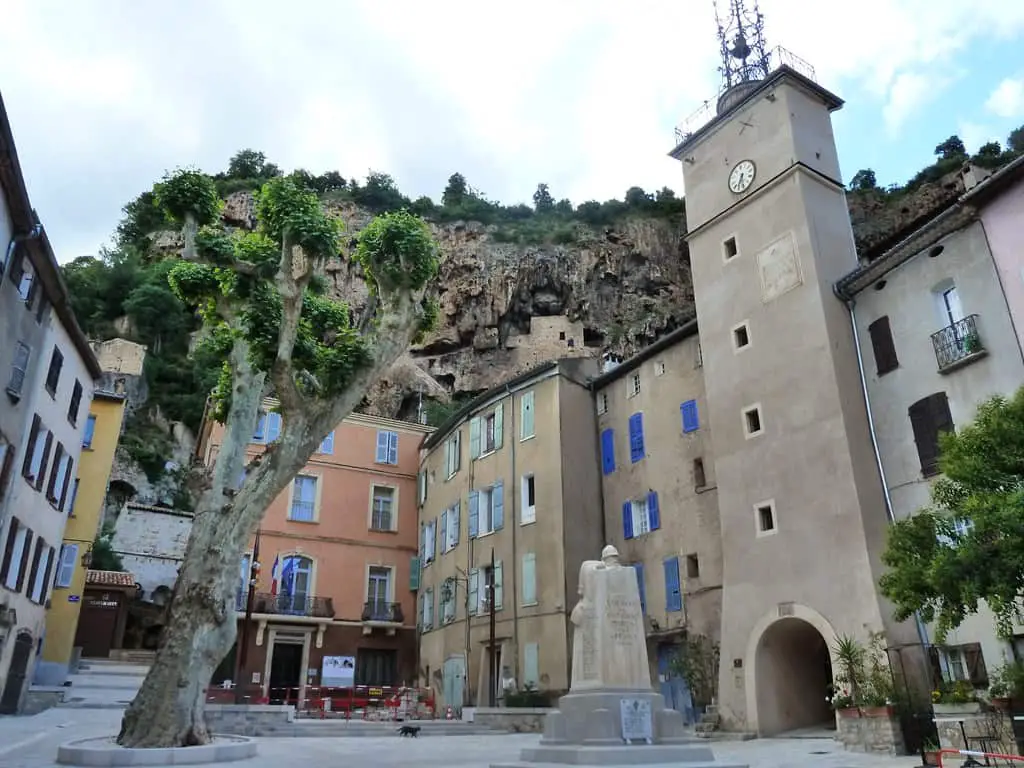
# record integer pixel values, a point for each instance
(242, 654)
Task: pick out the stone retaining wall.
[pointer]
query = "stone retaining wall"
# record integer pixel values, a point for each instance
(512, 719)
(872, 730)
(249, 719)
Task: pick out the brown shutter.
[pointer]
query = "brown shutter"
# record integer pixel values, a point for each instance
(51, 484)
(33, 436)
(40, 546)
(46, 460)
(941, 417)
(23, 565)
(5, 470)
(47, 581)
(12, 533)
(67, 481)
(936, 666)
(883, 346)
(976, 671)
(924, 435)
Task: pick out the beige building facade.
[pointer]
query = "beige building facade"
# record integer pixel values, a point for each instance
(512, 478)
(660, 497)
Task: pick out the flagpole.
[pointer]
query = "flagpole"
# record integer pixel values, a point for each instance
(242, 655)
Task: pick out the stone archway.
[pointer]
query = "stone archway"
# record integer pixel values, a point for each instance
(792, 674)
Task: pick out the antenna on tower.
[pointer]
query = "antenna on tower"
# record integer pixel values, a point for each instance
(741, 37)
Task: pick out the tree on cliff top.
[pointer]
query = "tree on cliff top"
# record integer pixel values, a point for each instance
(969, 546)
(257, 295)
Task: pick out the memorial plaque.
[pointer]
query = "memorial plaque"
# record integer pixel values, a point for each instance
(637, 721)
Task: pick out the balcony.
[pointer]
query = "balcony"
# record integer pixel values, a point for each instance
(311, 606)
(958, 345)
(382, 613)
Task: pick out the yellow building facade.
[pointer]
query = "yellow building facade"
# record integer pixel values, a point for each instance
(120, 360)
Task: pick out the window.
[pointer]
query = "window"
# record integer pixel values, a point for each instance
(74, 495)
(636, 437)
(90, 430)
(691, 421)
(421, 487)
(378, 590)
(929, 417)
(19, 367)
(25, 282)
(268, 428)
(450, 520)
(741, 336)
(764, 514)
(673, 588)
(76, 402)
(382, 517)
(449, 591)
(453, 455)
(377, 667)
(633, 385)
(638, 568)
(729, 249)
(602, 403)
(530, 578)
(58, 474)
(485, 432)
(66, 567)
(883, 346)
(608, 451)
(699, 478)
(387, 447)
(692, 567)
(640, 516)
(486, 510)
(964, 662)
(427, 608)
(303, 508)
(531, 665)
(41, 581)
(659, 368)
(327, 445)
(481, 581)
(37, 453)
(428, 544)
(528, 513)
(296, 584)
(526, 416)
(752, 421)
(53, 373)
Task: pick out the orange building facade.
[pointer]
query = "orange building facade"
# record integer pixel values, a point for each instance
(333, 604)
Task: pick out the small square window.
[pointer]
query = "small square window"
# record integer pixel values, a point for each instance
(634, 385)
(561, 335)
(699, 480)
(764, 514)
(602, 403)
(752, 420)
(729, 248)
(692, 567)
(741, 336)
(659, 368)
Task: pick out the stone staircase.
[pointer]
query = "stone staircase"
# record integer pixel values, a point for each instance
(104, 684)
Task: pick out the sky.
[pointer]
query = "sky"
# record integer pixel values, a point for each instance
(104, 96)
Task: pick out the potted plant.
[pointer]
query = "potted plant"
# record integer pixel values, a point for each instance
(999, 690)
(957, 698)
(931, 752)
(972, 343)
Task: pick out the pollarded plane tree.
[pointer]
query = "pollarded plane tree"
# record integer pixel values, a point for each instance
(258, 294)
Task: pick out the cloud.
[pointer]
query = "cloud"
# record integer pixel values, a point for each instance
(1007, 100)
(974, 135)
(105, 95)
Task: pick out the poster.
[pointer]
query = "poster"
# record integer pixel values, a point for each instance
(338, 671)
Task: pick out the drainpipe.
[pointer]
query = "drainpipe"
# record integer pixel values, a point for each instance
(922, 632)
(515, 526)
(471, 542)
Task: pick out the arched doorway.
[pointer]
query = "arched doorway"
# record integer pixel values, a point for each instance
(793, 670)
(16, 674)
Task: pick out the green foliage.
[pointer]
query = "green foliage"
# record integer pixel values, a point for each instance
(696, 660)
(863, 677)
(103, 557)
(438, 412)
(951, 148)
(250, 164)
(543, 202)
(1015, 141)
(864, 180)
(969, 545)
(188, 192)
(149, 445)
(529, 696)
(397, 251)
(288, 211)
(431, 315)
(142, 217)
(455, 193)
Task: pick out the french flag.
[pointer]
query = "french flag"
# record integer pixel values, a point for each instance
(275, 574)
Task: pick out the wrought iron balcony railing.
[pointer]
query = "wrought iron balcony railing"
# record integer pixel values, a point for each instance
(958, 343)
(288, 605)
(384, 612)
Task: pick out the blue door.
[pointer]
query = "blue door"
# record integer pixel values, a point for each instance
(673, 687)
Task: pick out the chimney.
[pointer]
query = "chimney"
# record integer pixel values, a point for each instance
(973, 175)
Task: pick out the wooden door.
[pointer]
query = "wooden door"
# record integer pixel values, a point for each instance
(97, 623)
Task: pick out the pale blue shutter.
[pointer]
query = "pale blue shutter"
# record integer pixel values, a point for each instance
(529, 578)
(474, 590)
(457, 513)
(653, 513)
(474, 513)
(444, 532)
(498, 506)
(627, 519)
(474, 437)
(327, 446)
(691, 422)
(273, 426)
(673, 595)
(499, 418)
(392, 448)
(382, 447)
(526, 415)
(498, 590)
(531, 665)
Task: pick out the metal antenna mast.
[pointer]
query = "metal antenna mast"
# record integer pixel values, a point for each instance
(741, 37)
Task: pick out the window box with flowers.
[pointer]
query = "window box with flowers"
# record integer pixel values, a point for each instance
(957, 698)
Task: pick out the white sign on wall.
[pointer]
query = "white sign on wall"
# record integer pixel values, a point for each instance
(338, 671)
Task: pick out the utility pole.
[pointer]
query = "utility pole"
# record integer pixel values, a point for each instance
(492, 660)
(242, 654)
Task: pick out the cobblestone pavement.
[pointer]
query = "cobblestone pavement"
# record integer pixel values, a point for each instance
(31, 742)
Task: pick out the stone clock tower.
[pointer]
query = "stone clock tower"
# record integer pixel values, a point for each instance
(803, 516)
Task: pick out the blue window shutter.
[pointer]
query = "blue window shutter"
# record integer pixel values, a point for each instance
(608, 451)
(392, 447)
(382, 447)
(636, 437)
(673, 595)
(457, 511)
(474, 513)
(414, 574)
(327, 446)
(639, 568)
(273, 426)
(474, 437)
(259, 435)
(653, 513)
(691, 423)
(498, 505)
(423, 543)
(627, 519)
(444, 532)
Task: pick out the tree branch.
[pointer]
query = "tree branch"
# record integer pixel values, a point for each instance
(291, 288)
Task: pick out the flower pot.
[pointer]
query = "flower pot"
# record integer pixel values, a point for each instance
(884, 710)
(1001, 703)
(969, 708)
(931, 757)
(849, 712)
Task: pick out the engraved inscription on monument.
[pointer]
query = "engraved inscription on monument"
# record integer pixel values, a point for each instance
(779, 266)
(637, 722)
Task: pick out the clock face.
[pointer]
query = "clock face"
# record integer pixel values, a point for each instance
(742, 176)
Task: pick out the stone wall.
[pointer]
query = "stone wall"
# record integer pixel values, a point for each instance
(249, 719)
(512, 719)
(151, 542)
(872, 730)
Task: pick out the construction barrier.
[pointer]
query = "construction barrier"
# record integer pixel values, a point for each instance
(973, 755)
(363, 702)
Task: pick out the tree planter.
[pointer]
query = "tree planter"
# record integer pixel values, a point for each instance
(970, 708)
(884, 710)
(1002, 704)
(848, 712)
(931, 757)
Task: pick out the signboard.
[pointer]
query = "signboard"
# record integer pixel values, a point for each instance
(637, 721)
(338, 671)
(73, 598)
